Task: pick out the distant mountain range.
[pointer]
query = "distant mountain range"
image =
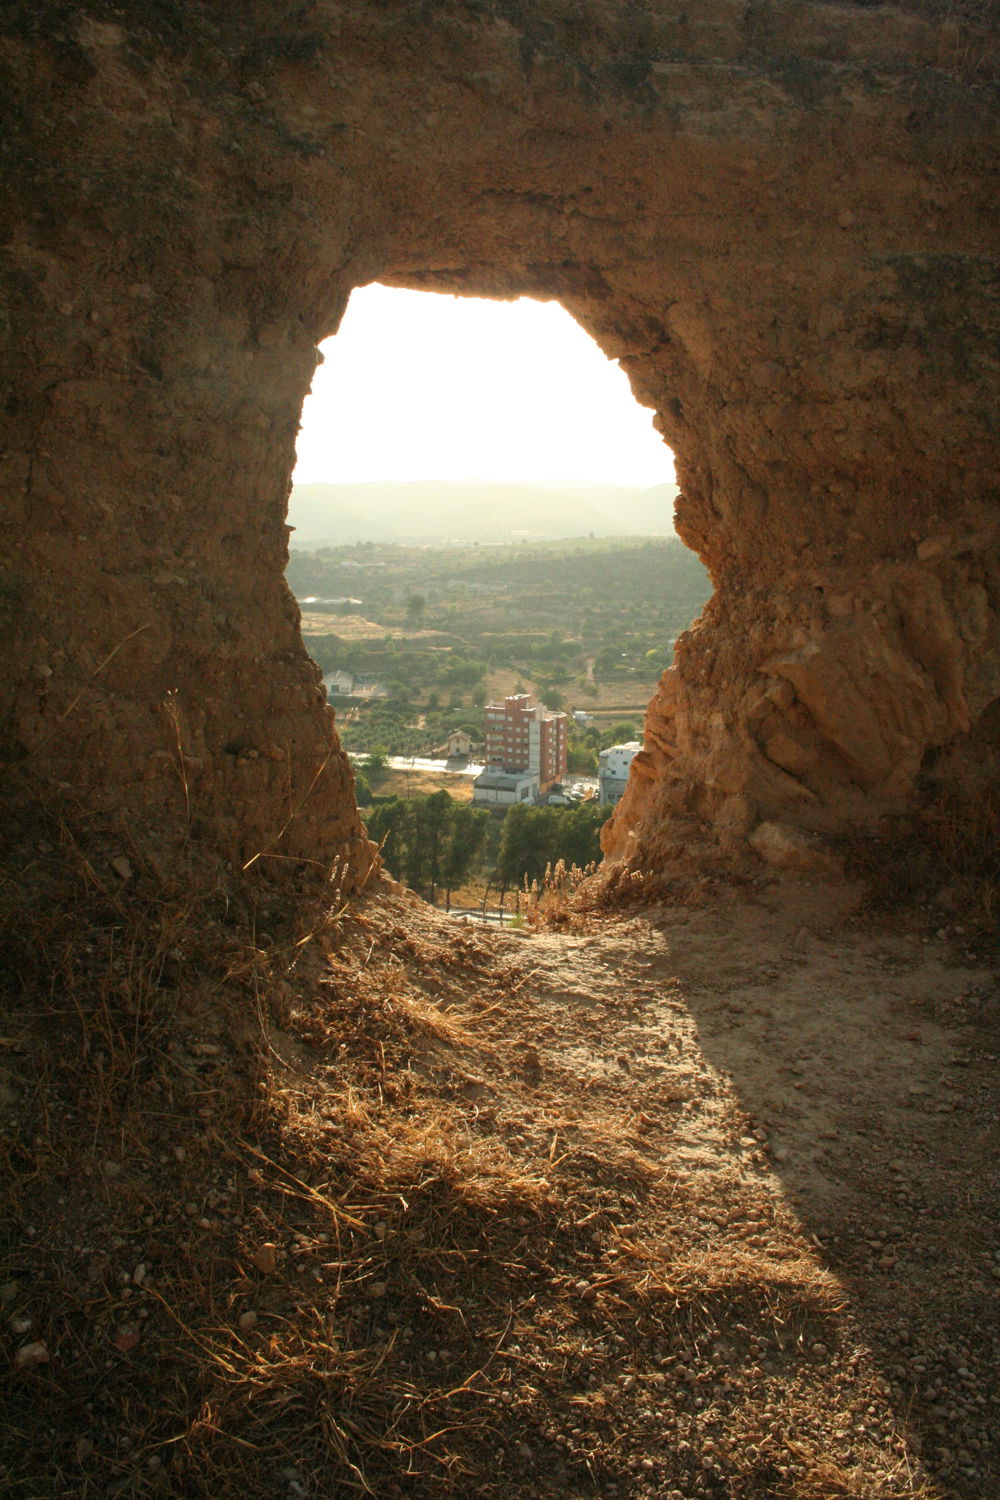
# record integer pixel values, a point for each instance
(436, 511)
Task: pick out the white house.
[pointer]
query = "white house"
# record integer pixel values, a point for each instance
(457, 746)
(614, 765)
(338, 682)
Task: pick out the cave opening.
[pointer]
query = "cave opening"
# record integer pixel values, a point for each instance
(475, 485)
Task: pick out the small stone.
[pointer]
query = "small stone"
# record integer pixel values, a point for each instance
(122, 867)
(20, 1325)
(266, 1258)
(127, 1338)
(29, 1356)
(246, 1321)
(377, 1289)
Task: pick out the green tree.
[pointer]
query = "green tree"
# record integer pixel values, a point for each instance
(386, 823)
(620, 733)
(513, 847)
(466, 837)
(535, 837)
(578, 837)
(526, 844)
(582, 759)
(416, 604)
(426, 839)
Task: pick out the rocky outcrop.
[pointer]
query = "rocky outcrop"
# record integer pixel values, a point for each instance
(783, 224)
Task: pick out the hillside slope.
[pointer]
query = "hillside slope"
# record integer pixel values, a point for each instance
(426, 511)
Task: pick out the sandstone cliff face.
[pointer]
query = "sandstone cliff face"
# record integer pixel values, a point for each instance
(782, 222)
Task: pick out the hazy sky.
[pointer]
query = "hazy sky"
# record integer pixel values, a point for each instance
(421, 386)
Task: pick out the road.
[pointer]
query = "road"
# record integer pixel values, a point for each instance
(583, 786)
(424, 763)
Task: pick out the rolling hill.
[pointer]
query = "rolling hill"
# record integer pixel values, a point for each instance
(436, 511)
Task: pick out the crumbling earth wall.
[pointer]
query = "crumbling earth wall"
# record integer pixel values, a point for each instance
(781, 219)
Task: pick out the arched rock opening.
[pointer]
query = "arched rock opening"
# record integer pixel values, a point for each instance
(787, 235)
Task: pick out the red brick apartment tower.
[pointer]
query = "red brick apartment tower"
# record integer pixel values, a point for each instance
(522, 735)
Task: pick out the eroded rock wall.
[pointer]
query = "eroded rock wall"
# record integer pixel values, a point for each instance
(786, 232)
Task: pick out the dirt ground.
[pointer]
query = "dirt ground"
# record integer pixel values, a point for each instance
(820, 1095)
(423, 783)
(697, 1200)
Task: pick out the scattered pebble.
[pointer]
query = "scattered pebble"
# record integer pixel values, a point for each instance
(29, 1356)
(266, 1258)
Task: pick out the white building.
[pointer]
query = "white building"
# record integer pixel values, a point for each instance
(338, 682)
(458, 746)
(497, 788)
(614, 765)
